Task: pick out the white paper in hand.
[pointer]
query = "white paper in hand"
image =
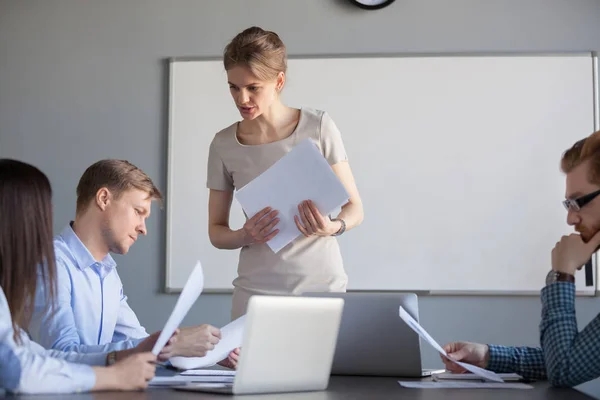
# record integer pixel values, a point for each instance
(302, 174)
(232, 335)
(414, 325)
(192, 289)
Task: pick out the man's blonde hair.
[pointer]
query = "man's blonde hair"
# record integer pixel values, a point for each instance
(582, 151)
(117, 176)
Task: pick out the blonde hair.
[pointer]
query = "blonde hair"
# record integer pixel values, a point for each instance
(261, 51)
(117, 176)
(582, 151)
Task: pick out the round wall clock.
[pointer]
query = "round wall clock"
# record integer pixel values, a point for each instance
(372, 4)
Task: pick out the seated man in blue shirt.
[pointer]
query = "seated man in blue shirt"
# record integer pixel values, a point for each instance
(567, 357)
(91, 313)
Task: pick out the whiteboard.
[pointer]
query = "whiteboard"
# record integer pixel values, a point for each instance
(456, 159)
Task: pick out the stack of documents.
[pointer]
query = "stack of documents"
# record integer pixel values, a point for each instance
(302, 174)
(194, 376)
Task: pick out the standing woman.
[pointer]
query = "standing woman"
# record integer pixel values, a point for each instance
(256, 64)
(25, 244)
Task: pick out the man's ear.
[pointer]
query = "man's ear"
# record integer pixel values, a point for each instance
(103, 198)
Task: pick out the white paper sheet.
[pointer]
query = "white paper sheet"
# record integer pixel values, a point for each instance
(414, 325)
(302, 174)
(469, 376)
(231, 338)
(462, 385)
(179, 380)
(192, 289)
(209, 372)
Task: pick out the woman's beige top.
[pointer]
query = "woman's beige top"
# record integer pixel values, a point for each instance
(306, 264)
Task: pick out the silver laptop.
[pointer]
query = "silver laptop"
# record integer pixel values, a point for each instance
(373, 340)
(288, 346)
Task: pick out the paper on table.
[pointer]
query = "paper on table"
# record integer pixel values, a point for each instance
(231, 338)
(178, 380)
(462, 385)
(414, 325)
(209, 372)
(302, 174)
(192, 289)
(469, 376)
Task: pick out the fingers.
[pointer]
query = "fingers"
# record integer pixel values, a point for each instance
(258, 216)
(264, 232)
(450, 347)
(166, 349)
(268, 219)
(149, 371)
(319, 219)
(214, 331)
(270, 236)
(451, 365)
(172, 340)
(300, 226)
(307, 219)
(310, 217)
(259, 229)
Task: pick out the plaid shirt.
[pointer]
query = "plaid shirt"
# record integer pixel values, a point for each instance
(567, 357)
(572, 357)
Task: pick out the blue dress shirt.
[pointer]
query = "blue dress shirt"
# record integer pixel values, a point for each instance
(91, 313)
(29, 368)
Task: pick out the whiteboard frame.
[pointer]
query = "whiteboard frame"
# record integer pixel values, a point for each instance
(596, 120)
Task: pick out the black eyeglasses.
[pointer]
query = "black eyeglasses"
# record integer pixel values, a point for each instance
(578, 203)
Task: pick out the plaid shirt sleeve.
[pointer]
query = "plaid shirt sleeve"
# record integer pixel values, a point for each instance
(572, 357)
(525, 361)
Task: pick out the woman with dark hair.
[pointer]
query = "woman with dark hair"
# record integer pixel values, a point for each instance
(26, 253)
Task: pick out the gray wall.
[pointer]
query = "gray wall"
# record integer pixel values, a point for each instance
(82, 80)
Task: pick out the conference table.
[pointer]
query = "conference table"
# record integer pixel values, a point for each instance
(346, 388)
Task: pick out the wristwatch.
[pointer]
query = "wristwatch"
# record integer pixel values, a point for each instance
(111, 358)
(556, 276)
(342, 228)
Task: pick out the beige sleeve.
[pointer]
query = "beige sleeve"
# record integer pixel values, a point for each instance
(331, 141)
(218, 178)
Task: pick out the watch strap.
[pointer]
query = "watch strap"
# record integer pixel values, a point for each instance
(111, 358)
(342, 228)
(557, 276)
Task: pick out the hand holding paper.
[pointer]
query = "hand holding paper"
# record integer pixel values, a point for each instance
(300, 175)
(192, 289)
(414, 325)
(231, 338)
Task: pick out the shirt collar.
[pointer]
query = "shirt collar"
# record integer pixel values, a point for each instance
(80, 253)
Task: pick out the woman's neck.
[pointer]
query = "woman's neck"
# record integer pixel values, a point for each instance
(276, 123)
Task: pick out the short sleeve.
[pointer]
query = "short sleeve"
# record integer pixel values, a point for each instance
(218, 178)
(331, 141)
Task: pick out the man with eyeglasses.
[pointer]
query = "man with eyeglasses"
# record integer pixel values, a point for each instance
(567, 357)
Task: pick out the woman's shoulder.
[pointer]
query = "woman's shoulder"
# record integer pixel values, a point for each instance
(314, 118)
(314, 114)
(225, 136)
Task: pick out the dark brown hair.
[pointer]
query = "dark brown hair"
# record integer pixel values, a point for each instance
(584, 150)
(117, 176)
(26, 247)
(261, 51)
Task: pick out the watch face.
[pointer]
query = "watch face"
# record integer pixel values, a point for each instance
(551, 277)
(372, 4)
